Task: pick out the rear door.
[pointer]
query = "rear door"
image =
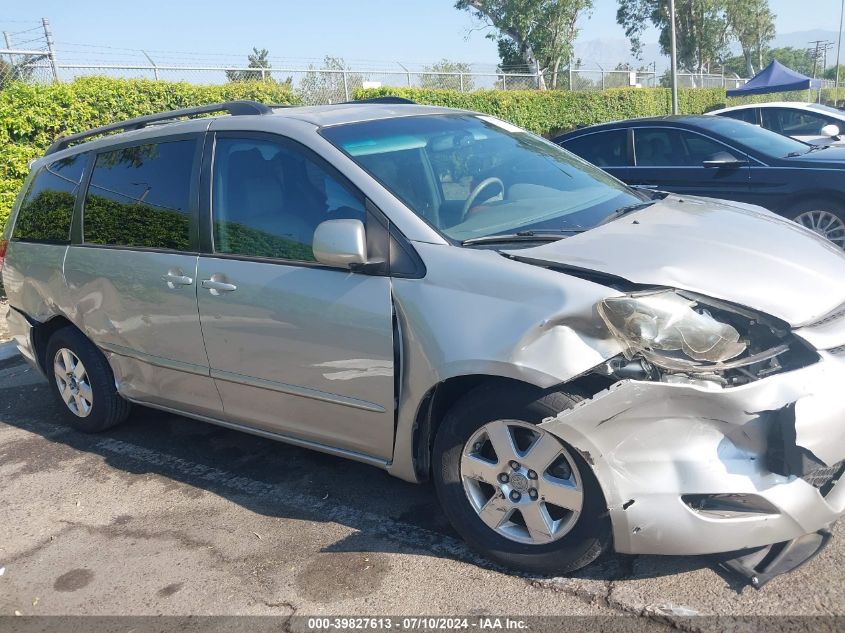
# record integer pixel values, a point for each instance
(296, 348)
(673, 159)
(131, 271)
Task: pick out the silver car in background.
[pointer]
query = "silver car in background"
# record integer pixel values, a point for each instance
(576, 365)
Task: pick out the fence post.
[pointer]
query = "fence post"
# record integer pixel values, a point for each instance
(51, 51)
(9, 46)
(504, 81)
(345, 85)
(539, 75)
(263, 77)
(461, 78)
(570, 74)
(150, 59)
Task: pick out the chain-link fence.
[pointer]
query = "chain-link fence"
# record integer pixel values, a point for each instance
(30, 54)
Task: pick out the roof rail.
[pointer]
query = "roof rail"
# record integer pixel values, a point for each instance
(235, 108)
(388, 99)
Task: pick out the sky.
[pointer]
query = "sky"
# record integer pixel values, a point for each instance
(381, 32)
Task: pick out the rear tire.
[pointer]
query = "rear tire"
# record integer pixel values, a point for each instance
(825, 217)
(567, 543)
(83, 383)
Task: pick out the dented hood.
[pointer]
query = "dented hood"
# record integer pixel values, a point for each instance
(729, 251)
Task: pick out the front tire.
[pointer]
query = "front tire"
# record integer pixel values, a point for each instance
(824, 217)
(83, 383)
(514, 492)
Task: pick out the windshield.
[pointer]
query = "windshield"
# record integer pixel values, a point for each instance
(472, 176)
(826, 108)
(753, 137)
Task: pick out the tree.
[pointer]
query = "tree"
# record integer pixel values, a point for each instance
(540, 33)
(830, 73)
(257, 59)
(752, 23)
(333, 83)
(702, 27)
(21, 71)
(448, 75)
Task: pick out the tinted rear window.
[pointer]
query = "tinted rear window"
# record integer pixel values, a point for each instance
(46, 212)
(140, 196)
(605, 149)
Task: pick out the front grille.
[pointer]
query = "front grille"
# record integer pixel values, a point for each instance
(825, 478)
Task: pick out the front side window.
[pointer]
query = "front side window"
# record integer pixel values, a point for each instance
(794, 122)
(46, 212)
(752, 137)
(140, 196)
(473, 176)
(268, 198)
(667, 147)
(605, 149)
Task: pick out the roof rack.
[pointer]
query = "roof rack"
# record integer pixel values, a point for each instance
(388, 99)
(235, 108)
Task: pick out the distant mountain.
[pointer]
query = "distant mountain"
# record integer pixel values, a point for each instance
(607, 53)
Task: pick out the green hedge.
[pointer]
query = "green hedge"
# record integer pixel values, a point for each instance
(551, 112)
(32, 115)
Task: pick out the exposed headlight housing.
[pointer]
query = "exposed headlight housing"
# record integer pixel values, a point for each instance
(669, 330)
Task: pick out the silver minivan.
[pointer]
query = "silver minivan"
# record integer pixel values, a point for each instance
(576, 365)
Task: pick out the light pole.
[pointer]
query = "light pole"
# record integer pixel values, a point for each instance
(674, 54)
(838, 51)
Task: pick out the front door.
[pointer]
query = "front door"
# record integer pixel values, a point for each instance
(673, 160)
(295, 348)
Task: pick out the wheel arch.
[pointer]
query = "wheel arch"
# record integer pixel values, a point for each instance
(41, 333)
(442, 396)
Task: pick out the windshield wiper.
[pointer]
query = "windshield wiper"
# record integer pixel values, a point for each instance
(534, 235)
(628, 209)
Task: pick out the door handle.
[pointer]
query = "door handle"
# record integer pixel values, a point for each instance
(217, 286)
(175, 278)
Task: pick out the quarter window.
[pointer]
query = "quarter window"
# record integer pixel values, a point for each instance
(268, 198)
(46, 212)
(663, 147)
(140, 196)
(605, 149)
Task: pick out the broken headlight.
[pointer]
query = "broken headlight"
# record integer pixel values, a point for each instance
(670, 331)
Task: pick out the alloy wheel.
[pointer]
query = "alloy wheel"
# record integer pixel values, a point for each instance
(522, 482)
(73, 383)
(829, 225)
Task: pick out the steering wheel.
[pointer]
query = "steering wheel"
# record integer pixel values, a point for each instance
(477, 191)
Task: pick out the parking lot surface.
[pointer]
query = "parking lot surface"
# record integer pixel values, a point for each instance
(165, 515)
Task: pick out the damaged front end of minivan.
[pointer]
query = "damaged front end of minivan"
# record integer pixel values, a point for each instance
(722, 432)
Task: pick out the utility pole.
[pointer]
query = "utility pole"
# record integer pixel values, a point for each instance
(51, 49)
(674, 52)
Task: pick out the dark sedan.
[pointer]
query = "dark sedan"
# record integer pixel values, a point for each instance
(722, 158)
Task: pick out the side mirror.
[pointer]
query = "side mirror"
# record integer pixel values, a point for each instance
(340, 243)
(830, 130)
(723, 159)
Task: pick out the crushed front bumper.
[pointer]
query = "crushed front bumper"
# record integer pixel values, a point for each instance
(688, 469)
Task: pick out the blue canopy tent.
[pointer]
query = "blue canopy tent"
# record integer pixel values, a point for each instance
(775, 78)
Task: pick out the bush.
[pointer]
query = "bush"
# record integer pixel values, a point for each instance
(554, 111)
(32, 116)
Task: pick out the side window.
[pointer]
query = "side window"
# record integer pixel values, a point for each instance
(140, 196)
(749, 115)
(794, 122)
(46, 212)
(268, 198)
(663, 147)
(604, 149)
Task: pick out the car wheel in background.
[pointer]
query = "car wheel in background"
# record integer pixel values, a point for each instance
(82, 380)
(823, 217)
(515, 492)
